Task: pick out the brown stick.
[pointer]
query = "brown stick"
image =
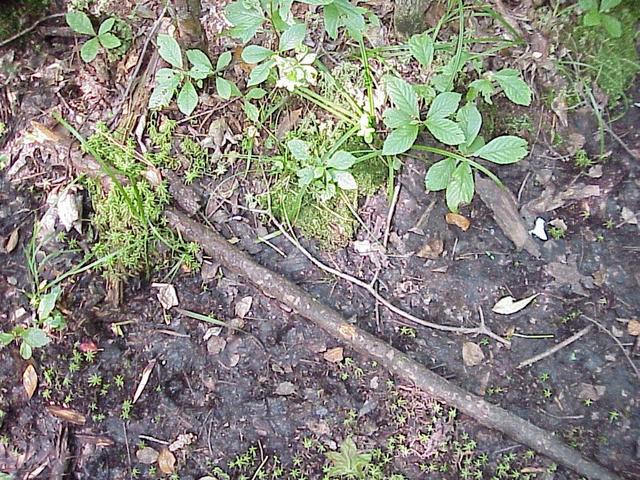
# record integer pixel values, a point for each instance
(401, 365)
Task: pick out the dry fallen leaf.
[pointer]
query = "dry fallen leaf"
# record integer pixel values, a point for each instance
(335, 355)
(458, 220)
(146, 373)
(12, 242)
(147, 455)
(67, 414)
(286, 388)
(633, 328)
(215, 345)
(166, 461)
(432, 249)
(166, 295)
(508, 305)
(30, 380)
(70, 210)
(472, 354)
(183, 440)
(243, 306)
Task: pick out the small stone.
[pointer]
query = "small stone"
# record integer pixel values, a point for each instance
(147, 455)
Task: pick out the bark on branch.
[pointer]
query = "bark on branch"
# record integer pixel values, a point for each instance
(401, 365)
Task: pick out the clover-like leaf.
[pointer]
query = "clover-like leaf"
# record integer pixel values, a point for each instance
(106, 26)
(246, 18)
(90, 49)
(169, 50)
(400, 140)
(80, 22)
(503, 150)
(255, 93)
(461, 187)
(225, 88)
(422, 47)
(109, 41)
(470, 121)
(445, 130)
(445, 104)
(513, 86)
(187, 98)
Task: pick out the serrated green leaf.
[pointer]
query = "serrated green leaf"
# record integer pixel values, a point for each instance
(400, 140)
(251, 111)
(292, 37)
(443, 105)
(341, 160)
(607, 5)
(246, 20)
(299, 149)
(255, 54)
(426, 92)
(169, 50)
(592, 18)
(260, 73)
(503, 150)
(80, 22)
(187, 98)
(344, 180)
(106, 26)
(421, 47)
(90, 49)
(461, 187)
(445, 130)
(394, 118)
(612, 25)
(439, 175)
(402, 95)
(513, 86)
(109, 41)
(223, 61)
(482, 86)
(35, 337)
(167, 82)
(470, 121)
(48, 303)
(255, 93)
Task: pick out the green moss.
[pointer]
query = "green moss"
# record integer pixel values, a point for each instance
(613, 63)
(16, 15)
(197, 157)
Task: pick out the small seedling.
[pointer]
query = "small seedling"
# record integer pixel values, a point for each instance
(557, 233)
(348, 461)
(28, 338)
(597, 14)
(104, 39)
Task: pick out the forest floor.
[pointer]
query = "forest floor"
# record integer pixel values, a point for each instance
(265, 393)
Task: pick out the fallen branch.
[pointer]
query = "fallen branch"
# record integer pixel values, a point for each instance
(21, 33)
(396, 362)
(557, 347)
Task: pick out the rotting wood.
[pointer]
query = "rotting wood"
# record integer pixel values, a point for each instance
(399, 364)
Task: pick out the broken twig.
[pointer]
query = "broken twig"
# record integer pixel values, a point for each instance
(554, 349)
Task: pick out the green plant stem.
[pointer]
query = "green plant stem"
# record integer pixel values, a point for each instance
(323, 103)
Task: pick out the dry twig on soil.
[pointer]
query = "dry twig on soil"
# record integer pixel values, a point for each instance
(554, 349)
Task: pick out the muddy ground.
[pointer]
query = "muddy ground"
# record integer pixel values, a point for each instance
(279, 381)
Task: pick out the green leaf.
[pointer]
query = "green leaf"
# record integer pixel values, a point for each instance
(461, 187)
(255, 93)
(25, 350)
(223, 61)
(421, 47)
(503, 150)
(80, 22)
(425, 92)
(260, 73)
(35, 337)
(292, 37)
(513, 86)
(255, 54)
(169, 50)
(588, 4)
(90, 49)
(224, 88)
(607, 5)
(299, 149)
(109, 41)
(341, 160)
(306, 175)
(344, 180)
(331, 20)
(48, 303)
(439, 175)
(167, 81)
(106, 26)
(444, 105)
(187, 98)
(470, 121)
(445, 130)
(394, 118)
(199, 59)
(5, 339)
(591, 19)
(612, 25)
(348, 462)
(251, 111)
(402, 95)
(400, 140)
(246, 19)
(482, 86)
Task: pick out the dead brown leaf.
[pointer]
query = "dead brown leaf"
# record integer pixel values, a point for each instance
(146, 373)
(288, 122)
(67, 414)
(30, 380)
(166, 461)
(432, 249)
(472, 354)
(335, 355)
(147, 455)
(458, 220)
(633, 328)
(12, 242)
(243, 306)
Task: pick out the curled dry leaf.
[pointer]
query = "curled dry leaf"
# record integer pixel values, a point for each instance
(183, 440)
(12, 241)
(243, 306)
(146, 373)
(147, 455)
(67, 414)
(508, 305)
(472, 354)
(432, 249)
(166, 461)
(458, 220)
(30, 380)
(335, 355)
(166, 295)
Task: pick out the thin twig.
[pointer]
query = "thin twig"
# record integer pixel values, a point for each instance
(6, 42)
(552, 350)
(624, 351)
(480, 330)
(392, 209)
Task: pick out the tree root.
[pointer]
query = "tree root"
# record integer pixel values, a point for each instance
(399, 364)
